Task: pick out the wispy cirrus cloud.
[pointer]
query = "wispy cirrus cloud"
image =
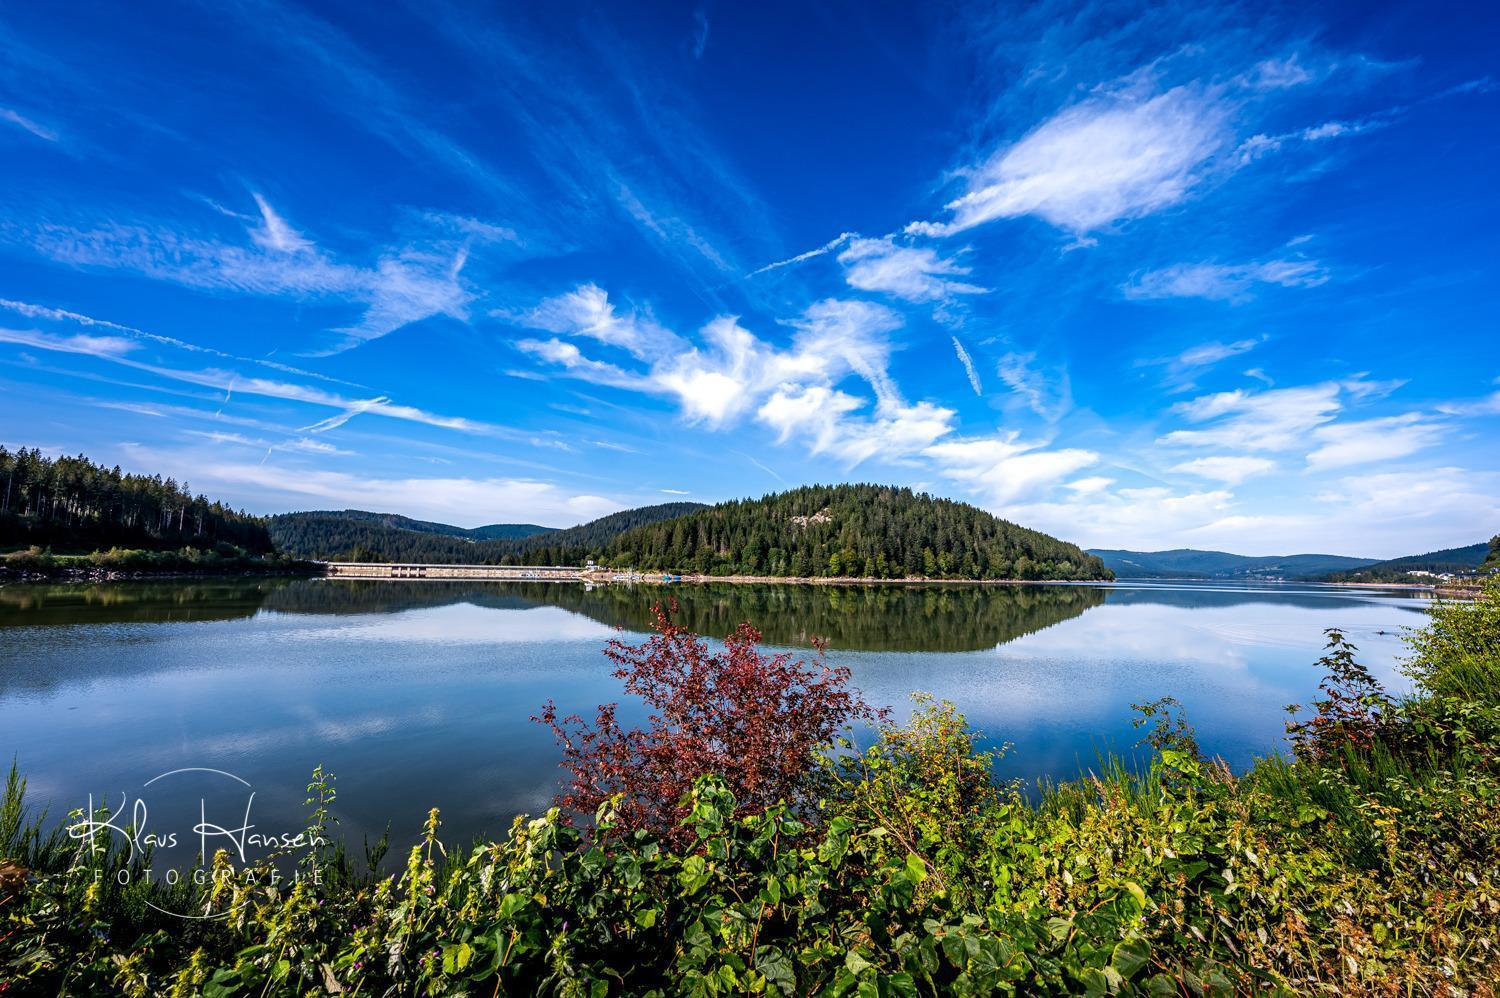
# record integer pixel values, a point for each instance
(117, 350)
(1183, 367)
(18, 119)
(1487, 406)
(405, 285)
(49, 314)
(912, 273)
(1284, 419)
(968, 363)
(1046, 391)
(1273, 420)
(105, 347)
(1107, 159)
(1231, 470)
(1346, 443)
(1225, 282)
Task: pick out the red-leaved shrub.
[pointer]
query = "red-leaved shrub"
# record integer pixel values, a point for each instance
(1351, 711)
(757, 720)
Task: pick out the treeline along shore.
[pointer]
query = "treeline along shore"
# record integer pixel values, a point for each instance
(69, 517)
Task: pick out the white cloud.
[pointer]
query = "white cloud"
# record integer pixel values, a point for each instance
(1183, 367)
(731, 373)
(1349, 443)
(815, 412)
(913, 273)
(1004, 469)
(1090, 485)
(1221, 282)
(821, 417)
(1487, 406)
(1206, 354)
(1272, 420)
(1227, 469)
(968, 363)
(572, 359)
(718, 384)
(733, 370)
(587, 311)
(1386, 514)
(1108, 159)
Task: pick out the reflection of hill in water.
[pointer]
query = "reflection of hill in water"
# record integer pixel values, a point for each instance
(159, 602)
(1199, 596)
(870, 618)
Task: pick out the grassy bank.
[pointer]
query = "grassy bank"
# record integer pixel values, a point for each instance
(222, 559)
(1366, 862)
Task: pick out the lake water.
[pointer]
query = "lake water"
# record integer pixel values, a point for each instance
(419, 694)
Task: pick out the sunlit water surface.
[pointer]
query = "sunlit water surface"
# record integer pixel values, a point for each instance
(420, 694)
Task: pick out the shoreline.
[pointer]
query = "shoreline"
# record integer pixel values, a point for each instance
(87, 575)
(855, 580)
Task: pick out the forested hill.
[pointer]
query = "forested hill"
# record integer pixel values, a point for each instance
(1458, 561)
(356, 535)
(72, 505)
(870, 531)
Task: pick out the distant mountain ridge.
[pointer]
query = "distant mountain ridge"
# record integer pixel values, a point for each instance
(1189, 563)
(1456, 561)
(360, 535)
(489, 532)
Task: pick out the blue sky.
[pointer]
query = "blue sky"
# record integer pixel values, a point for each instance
(1163, 275)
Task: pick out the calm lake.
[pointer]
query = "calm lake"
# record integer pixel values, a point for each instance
(419, 694)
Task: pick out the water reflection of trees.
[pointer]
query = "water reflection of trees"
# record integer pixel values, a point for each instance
(873, 618)
(163, 601)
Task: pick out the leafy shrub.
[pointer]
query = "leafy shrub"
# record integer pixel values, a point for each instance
(1459, 655)
(32, 559)
(1350, 713)
(756, 720)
